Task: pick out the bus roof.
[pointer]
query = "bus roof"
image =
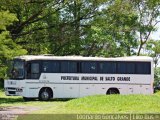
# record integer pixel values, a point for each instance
(81, 58)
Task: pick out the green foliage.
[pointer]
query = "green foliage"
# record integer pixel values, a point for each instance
(1, 84)
(148, 12)
(6, 19)
(8, 48)
(153, 50)
(156, 75)
(78, 27)
(117, 29)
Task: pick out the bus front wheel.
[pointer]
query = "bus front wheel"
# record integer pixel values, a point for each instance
(45, 94)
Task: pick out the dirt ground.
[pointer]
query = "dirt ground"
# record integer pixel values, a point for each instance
(18, 109)
(10, 113)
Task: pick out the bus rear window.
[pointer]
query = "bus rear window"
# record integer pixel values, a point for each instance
(143, 68)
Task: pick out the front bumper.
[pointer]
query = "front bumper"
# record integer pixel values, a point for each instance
(10, 91)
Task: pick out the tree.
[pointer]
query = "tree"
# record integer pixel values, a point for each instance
(156, 76)
(153, 50)
(148, 12)
(75, 26)
(31, 29)
(82, 27)
(51, 26)
(8, 48)
(115, 30)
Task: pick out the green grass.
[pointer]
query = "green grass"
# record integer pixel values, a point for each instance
(91, 104)
(116, 104)
(6, 101)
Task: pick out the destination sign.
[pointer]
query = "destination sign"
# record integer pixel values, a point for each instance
(93, 78)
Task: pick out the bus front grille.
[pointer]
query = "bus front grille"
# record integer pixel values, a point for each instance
(11, 92)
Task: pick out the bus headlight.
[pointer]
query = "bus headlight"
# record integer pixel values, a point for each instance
(19, 90)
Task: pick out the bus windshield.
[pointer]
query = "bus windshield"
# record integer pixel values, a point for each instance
(17, 70)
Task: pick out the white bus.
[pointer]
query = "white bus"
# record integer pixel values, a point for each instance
(47, 77)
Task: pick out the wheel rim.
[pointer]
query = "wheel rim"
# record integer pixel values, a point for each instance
(113, 92)
(45, 95)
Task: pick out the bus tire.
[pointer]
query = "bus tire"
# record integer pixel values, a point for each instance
(45, 94)
(112, 91)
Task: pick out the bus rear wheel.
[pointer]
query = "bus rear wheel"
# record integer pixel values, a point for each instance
(45, 94)
(113, 91)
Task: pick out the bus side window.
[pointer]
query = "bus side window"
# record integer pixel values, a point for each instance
(69, 67)
(107, 67)
(125, 68)
(121, 67)
(33, 70)
(50, 66)
(130, 68)
(89, 67)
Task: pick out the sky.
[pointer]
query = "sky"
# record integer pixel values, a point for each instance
(156, 35)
